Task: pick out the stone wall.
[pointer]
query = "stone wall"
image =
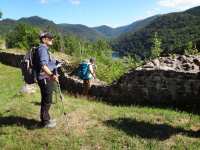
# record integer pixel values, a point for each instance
(11, 59)
(169, 80)
(156, 87)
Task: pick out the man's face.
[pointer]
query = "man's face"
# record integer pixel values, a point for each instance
(48, 41)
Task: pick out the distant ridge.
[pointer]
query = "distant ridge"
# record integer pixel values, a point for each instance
(79, 30)
(175, 30)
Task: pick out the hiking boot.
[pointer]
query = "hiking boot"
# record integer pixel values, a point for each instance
(52, 120)
(50, 124)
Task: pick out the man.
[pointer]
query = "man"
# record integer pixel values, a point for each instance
(90, 75)
(46, 75)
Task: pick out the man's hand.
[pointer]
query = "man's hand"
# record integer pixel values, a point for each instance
(49, 73)
(55, 78)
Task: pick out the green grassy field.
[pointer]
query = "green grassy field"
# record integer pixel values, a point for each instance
(89, 125)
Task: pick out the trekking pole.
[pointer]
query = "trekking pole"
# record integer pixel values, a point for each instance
(61, 98)
(65, 114)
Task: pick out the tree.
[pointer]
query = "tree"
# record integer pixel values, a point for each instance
(56, 43)
(102, 47)
(156, 47)
(23, 36)
(1, 14)
(71, 44)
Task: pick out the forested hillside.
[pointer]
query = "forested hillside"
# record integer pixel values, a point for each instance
(133, 27)
(80, 31)
(176, 31)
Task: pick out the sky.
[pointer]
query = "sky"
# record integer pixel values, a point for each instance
(92, 13)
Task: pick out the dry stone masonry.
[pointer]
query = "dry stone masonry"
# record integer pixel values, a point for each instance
(167, 80)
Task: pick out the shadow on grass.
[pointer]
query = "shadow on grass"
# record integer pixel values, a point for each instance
(189, 108)
(39, 104)
(36, 103)
(147, 130)
(30, 124)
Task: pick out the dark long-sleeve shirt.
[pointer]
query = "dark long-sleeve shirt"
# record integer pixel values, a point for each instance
(43, 58)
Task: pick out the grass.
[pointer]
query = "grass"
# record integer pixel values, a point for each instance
(89, 125)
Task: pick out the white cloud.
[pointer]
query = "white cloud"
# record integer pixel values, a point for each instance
(179, 4)
(43, 1)
(75, 2)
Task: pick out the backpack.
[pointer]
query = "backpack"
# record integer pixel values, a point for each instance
(27, 66)
(83, 71)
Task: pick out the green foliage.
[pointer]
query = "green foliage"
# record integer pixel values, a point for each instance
(102, 48)
(190, 50)
(111, 70)
(24, 37)
(72, 45)
(131, 61)
(156, 47)
(1, 14)
(57, 45)
(108, 69)
(175, 30)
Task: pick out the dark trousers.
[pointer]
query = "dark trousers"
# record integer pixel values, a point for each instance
(86, 87)
(46, 89)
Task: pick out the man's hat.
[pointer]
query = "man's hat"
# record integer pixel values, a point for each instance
(46, 35)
